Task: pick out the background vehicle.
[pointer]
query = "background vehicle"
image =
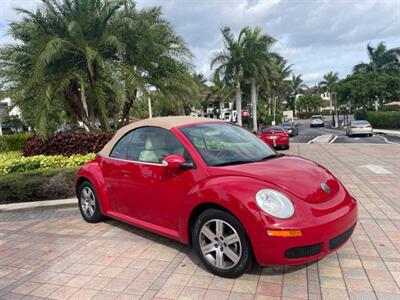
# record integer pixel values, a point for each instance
(360, 127)
(291, 128)
(220, 188)
(317, 121)
(275, 136)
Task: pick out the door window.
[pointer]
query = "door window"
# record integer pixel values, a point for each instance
(148, 144)
(121, 148)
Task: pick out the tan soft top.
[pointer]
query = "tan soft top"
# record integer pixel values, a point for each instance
(163, 122)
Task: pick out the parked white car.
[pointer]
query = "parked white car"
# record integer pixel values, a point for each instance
(317, 121)
(359, 127)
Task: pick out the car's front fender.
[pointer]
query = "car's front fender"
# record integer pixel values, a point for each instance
(235, 194)
(91, 171)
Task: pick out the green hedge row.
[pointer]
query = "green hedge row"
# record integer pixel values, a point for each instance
(380, 119)
(13, 142)
(14, 162)
(37, 185)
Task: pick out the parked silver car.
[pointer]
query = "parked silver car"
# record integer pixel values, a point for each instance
(317, 121)
(359, 127)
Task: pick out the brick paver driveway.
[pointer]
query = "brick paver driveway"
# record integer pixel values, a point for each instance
(55, 254)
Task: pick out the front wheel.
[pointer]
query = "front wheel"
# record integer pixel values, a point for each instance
(222, 243)
(88, 203)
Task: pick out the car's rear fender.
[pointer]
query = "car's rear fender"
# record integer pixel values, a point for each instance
(235, 194)
(91, 172)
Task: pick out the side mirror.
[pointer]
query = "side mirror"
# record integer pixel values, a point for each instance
(176, 161)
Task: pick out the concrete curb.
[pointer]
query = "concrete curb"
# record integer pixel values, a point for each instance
(322, 139)
(386, 132)
(39, 204)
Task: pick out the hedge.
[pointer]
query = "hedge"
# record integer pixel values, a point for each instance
(67, 143)
(14, 142)
(13, 162)
(380, 119)
(37, 185)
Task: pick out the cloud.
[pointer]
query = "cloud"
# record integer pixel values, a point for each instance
(316, 36)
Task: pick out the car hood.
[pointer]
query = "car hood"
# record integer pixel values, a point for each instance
(298, 176)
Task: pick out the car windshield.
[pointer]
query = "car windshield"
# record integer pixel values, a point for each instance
(268, 129)
(226, 144)
(316, 117)
(360, 123)
(286, 125)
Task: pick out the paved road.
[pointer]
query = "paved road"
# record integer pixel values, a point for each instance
(306, 134)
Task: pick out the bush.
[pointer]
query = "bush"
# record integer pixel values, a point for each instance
(67, 143)
(380, 119)
(13, 162)
(37, 185)
(14, 142)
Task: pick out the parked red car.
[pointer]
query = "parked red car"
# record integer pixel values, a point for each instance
(275, 136)
(219, 188)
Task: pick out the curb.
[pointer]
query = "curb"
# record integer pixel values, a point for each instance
(384, 132)
(70, 202)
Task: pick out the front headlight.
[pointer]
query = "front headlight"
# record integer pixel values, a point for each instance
(275, 203)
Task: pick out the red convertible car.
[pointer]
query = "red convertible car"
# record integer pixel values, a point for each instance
(275, 136)
(217, 187)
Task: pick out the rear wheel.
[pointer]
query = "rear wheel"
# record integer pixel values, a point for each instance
(222, 243)
(88, 203)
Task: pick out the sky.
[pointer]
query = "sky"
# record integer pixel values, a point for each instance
(316, 36)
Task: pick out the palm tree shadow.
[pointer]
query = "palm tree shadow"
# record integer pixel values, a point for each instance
(190, 254)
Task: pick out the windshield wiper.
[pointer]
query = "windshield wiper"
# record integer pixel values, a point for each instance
(235, 162)
(270, 156)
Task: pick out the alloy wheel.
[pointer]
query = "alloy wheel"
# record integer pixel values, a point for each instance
(220, 244)
(88, 202)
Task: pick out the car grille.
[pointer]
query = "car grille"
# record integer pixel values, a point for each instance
(305, 251)
(341, 238)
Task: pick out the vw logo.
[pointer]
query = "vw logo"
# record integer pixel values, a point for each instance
(325, 188)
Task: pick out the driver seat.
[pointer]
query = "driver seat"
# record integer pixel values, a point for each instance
(154, 150)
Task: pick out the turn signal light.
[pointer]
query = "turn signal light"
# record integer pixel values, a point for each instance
(284, 233)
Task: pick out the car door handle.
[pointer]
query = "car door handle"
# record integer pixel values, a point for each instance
(125, 173)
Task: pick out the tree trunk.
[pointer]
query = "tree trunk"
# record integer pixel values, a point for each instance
(130, 99)
(73, 98)
(84, 104)
(221, 107)
(254, 103)
(238, 96)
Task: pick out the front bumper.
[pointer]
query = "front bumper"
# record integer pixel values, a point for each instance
(320, 236)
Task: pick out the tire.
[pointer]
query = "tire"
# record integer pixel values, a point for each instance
(240, 250)
(87, 197)
(370, 134)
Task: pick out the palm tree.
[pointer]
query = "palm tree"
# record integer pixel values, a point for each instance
(278, 83)
(329, 84)
(222, 92)
(296, 85)
(257, 63)
(380, 59)
(92, 58)
(229, 64)
(154, 55)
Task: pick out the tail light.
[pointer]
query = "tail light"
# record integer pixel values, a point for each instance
(353, 126)
(369, 126)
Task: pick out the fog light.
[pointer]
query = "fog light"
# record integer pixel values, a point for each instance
(284, 233)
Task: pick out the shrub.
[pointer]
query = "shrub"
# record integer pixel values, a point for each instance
(37, 185)
(13, 162)
(380, 119)
(67, 143)
(14, 142)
